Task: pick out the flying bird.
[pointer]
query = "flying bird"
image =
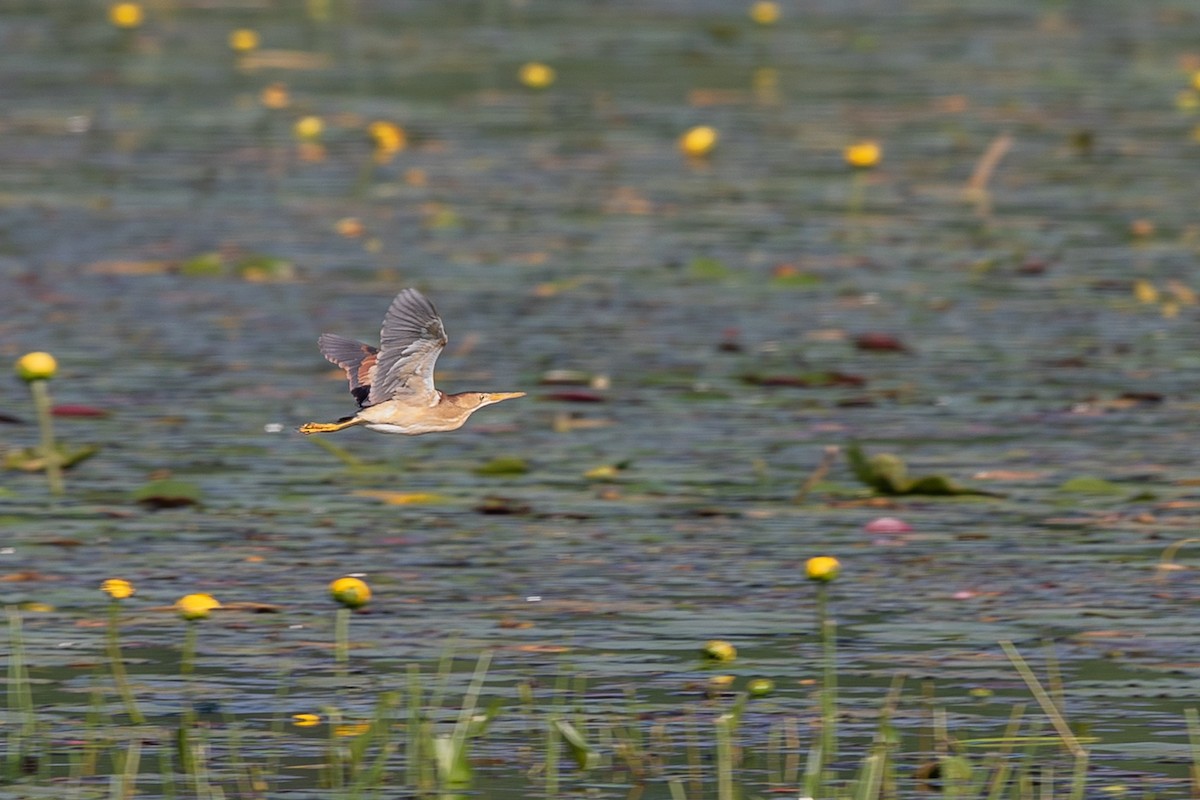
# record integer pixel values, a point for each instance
(393, 384)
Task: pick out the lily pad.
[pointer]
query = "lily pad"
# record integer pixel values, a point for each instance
(1087, 484)
(504, 465)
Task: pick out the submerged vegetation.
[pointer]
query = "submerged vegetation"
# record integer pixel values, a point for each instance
(411, 737)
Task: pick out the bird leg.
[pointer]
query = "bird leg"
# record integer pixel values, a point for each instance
(328, 427)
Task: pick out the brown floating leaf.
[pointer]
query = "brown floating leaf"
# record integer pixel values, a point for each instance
(494, 504)
(879, 342)
(78, 410)
(574, 397)
(27, 576)
(1142, 397)
(118, 267)
(808, 380)
(254, 608)
(167, 493)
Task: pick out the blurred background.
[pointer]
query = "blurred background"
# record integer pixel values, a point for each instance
(710, 239)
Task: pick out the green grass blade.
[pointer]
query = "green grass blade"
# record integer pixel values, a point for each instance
(1044, 700)
(584, 754)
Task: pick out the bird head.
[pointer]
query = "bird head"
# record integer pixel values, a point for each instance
(487, 398)
(477, 400)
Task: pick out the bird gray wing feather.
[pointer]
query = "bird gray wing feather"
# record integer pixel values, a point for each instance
(409, 345)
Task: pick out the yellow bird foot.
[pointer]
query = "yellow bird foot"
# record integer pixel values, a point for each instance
(323, 427)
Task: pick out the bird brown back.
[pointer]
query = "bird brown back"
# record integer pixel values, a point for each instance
(357, 358)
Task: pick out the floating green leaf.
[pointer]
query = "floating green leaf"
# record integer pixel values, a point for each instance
(205, 265)
(1087, 484)
(709, 269)
(504, 465)
(33, 459)
(887, 473)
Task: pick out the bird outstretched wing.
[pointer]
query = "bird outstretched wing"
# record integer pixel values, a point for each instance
(357, 358)
(409, 344)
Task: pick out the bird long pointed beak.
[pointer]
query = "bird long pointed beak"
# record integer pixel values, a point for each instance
(496, 397)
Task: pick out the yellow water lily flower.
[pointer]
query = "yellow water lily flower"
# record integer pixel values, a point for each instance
(765, 12)
(536, 75)
(822, 568)
(699, 141)
(388, 136)
(718, 650)
(117, 589)
(36, 366)
(862, 155)
(309, 128)
(1145, 291)
(305, 720)
(196, 606)
(243, 40)
(350, 592)
(126, 15)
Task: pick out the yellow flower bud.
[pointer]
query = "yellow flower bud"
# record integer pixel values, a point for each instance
(760, 687)
(718, 650)
(196, 606)
(388, 136)
(822, 568)
(305, 720)
(765, 12)
(125, 15)
(350, 592)
(862, 155)
(536, 75)
(1144, 291)
(699, 141)
(36, 366)
(243, 40)
(309, 128)
(117, 589)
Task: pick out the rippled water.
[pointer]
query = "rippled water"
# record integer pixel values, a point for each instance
(564, 230)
